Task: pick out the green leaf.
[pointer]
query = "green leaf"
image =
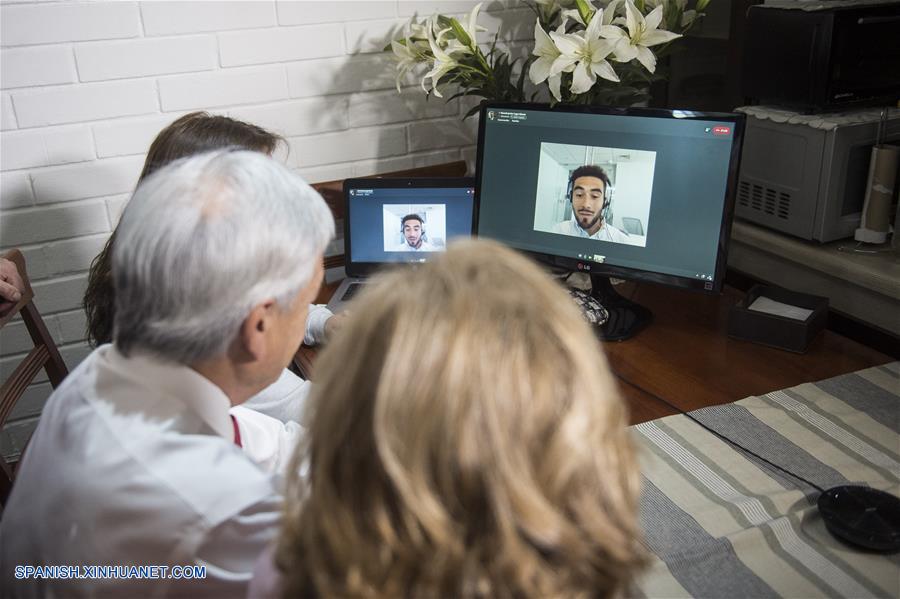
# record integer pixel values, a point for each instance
(472, 111)
(520, 84)
(471, 92)
(585, 10)
(460, 33)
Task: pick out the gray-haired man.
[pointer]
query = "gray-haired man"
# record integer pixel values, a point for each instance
(135, 460)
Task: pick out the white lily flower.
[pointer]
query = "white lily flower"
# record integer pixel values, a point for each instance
(448, 45)
(443, 63)
(572, 14)
(547, 53)
(412, 50)
(451, 45)
(688, 17)
(584, 55)
(643, 32)
(416, 31)
(471, 25)
(406, 59)
(609, 12)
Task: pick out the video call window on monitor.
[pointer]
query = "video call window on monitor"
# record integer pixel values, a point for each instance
(594, 192)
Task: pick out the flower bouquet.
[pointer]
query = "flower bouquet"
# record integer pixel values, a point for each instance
(583, 53)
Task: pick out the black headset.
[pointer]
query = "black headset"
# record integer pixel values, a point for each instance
(607, 191)
(416, 217)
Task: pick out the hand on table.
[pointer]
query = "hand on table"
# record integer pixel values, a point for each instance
(11, 286)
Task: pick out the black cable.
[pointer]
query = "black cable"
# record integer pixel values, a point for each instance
(721, 436)
(634, 291)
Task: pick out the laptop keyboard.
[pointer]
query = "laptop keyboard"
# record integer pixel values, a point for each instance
(351, 291)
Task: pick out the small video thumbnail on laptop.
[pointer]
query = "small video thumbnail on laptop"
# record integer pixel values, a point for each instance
(406, 224)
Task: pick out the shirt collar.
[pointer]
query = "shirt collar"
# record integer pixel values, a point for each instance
(600, 234)
(178, 381)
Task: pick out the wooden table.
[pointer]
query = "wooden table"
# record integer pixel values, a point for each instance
(685, 357)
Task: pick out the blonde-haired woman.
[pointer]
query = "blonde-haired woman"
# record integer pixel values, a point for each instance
(465, 438)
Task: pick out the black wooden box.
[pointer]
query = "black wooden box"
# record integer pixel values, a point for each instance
(775, 330)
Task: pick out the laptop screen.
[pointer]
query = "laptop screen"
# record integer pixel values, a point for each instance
(405, 220)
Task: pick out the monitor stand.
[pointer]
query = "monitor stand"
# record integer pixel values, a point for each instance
(626, 318)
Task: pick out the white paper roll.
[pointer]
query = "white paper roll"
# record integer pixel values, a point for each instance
(895, 238)
(876, 212)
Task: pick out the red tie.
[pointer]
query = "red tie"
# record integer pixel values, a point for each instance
(237, 431)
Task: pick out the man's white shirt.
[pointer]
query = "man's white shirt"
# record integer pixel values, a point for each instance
(605, 233)
(134, 463)
(423, 247)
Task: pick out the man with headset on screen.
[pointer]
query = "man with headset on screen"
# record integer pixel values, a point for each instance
(413, 230)
(590, 194)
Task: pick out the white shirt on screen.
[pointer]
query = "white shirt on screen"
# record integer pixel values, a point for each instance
(606, 233)
(134, 463)
(423, 247)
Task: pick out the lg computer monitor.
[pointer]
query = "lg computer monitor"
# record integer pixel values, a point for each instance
(632, 193)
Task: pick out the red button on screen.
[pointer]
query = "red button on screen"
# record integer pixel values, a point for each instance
(720, 130)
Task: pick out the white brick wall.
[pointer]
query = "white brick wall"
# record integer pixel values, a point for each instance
(223, 87)
(78, 103)
(36, 225)
(15, 188)
(90, 180)
(139, 58)
(297, 117)
(123, 137)
(305, 13)
(261, 46)
(51, 145)
(39, 65)
(178, 16)
(7, 116)
(49, 23)
(86, 86)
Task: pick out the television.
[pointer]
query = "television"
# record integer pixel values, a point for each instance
(631, 193)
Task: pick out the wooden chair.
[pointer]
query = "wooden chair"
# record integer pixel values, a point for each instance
(44, 355)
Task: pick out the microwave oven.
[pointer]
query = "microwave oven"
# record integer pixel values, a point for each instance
(806, 175)
(813, 60)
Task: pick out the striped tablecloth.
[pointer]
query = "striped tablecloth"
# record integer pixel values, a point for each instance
(722, 524)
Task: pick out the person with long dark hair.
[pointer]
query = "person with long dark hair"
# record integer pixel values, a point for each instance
(191, 134)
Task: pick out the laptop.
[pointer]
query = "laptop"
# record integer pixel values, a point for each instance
(399, 222)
